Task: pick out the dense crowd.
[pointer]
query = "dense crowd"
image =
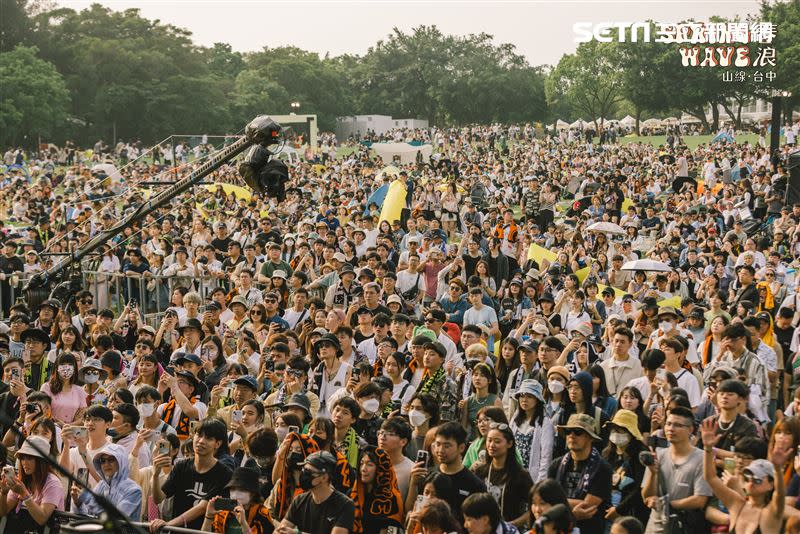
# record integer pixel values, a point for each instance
(554, 336)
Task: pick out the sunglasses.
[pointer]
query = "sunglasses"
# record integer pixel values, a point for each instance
(107, 460)
(86, 301)
(574, 432)
(325, 344)
(750, 478)
(255, 312)
(271, 301)
(295, 373)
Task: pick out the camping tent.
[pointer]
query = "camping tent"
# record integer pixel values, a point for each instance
(407, 153)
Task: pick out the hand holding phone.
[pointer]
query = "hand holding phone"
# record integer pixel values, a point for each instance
(424, 457)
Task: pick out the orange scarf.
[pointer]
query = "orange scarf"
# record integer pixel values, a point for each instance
(182, 429)
(283, 493)
(386, 501)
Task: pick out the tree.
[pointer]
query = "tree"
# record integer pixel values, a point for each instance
(33, 97)
(590, 80)
(786, 15)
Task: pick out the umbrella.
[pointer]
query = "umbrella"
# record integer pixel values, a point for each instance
(646, 265)
(736, 172)
(606, 228)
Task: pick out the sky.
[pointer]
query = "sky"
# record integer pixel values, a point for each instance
(540, 29)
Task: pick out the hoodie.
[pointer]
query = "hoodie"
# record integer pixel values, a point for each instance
(119, 489)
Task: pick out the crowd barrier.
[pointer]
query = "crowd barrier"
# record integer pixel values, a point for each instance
(62, 518)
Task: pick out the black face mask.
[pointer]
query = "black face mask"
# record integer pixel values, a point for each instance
(294, 460)
(319, 441)
(306, 480)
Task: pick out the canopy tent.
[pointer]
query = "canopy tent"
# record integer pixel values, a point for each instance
(652, 123)
(671, 121)
(562, 125)
(578, 124)
(628, 121)
(689, 119)
(406, 152)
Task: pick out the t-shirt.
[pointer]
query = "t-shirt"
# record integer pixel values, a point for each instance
(680, 481)
(599, 486)
(52, 493)
(464, 483)
(66, 405)
(188, 487)
(403, 473)
(312, 518)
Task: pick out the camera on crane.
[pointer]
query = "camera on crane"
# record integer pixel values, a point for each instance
(260, 170)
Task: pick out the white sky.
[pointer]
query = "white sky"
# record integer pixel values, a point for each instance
(540, 29)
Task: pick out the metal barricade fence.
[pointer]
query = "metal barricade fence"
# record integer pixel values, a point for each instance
(63, 518)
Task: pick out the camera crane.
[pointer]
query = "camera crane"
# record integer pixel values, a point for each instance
(260, 171)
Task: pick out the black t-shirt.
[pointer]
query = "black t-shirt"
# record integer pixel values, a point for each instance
(464, 484)
(312, 518)
(188, 487)
(599, 486)
(221, 246)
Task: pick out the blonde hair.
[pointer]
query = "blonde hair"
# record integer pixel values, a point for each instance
(192, 297)
(477, 350)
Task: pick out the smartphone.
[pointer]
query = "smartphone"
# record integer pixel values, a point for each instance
(270, 365)
(730, 465)
(80, 432)
(205, 353)
(293, 428)
(236, 416)
(9, 472)
(83, 475)
(356, 374)
(16, 373)
(655, 442)
(155, 436)
(226, 393)
(132, 303)
(661, 374)
(223, 504)
(170, 370)
(193, 426)
(163, 448)
(424, 457)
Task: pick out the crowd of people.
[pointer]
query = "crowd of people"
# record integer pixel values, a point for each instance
(555, 336)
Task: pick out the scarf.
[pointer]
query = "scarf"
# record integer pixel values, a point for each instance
(384, 501)
(590, 468)
(706, 359)
(769, 299)
(258, 518)
(182, 428)
(350, 447)
(344, 476)
(283, 490)
(432, 382)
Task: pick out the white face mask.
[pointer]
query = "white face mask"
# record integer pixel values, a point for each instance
(619, 438)
(66, 371)
(371, 405)
(281, 431)
(243, 497)
(91, 379)
(555, 386)
(665, 326)
(417, 418)
(146, 409)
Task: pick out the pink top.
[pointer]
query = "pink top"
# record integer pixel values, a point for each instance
(65, 405)
(52, 493)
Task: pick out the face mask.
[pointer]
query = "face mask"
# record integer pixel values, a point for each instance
(66, 371)
(112, 432)
(619, 438)
(555, 386)
(146, 410)
(665, 326)
(306, 480)
(281, 431)
(91, 379)
(371, 406)
(417, 418)
(293, 460)
(243, 497)
(319, 441)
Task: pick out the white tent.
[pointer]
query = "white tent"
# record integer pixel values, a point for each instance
(689, 119)
(407, 153)
(562, 125)
(671, 120)
(652, 123)
(628, 121)
(578, 124)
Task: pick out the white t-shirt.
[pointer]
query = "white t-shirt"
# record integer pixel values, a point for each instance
(202, 411)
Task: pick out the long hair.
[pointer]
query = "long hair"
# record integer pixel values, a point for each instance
(485, 370)
(217, 342)
(65, 358)
(550, 492)
(45, 423)
(35, 481)
(77, 345)
(140, 378)
(327, 425)
(536, 418)
(504, 370)
(513, 468)
(602, 390)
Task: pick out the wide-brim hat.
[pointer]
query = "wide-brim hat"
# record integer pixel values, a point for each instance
(330, 338)
(629, 421)
(245, 478)
(191, 323)
(92, 364)
(33, 445)
(298, 400)
(239, 300)
(530, 387)
(581, 421)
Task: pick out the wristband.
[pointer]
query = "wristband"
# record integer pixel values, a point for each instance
(209, 517)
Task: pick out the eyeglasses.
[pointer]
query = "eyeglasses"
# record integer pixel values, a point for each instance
(142, 346)
(750, 478)
(271, 301)
(386, 433)
(86, 301)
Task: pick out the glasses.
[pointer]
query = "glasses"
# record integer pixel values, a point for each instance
(326, 344)
(86, 301)
(271, 301)
(295, 373)
(142, 346)
(430, 320)
(255, 312)
(574, 432)
(312, 473)
(386, 433)
(770, 275)
(750, 478)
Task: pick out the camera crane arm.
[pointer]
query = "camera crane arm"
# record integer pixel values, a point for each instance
(261, 131)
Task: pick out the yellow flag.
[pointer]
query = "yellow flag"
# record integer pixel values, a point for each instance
(618, 293)
(674, 302)
(537, 254)
(582, 274)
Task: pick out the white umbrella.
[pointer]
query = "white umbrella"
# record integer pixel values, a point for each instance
(646, 265)
(606, 228)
